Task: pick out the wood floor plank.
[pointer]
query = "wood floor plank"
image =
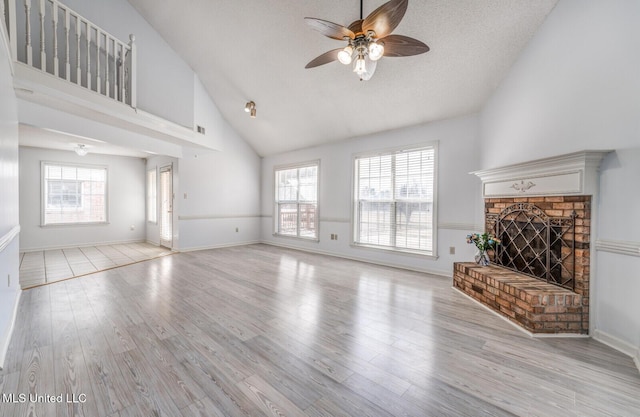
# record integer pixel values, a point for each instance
(259, 330)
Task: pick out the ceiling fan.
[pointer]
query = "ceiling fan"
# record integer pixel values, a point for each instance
(369, 39)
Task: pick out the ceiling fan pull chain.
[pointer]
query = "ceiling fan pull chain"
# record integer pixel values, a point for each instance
(361, 14)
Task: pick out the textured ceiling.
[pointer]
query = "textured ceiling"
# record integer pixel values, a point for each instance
(256, 50)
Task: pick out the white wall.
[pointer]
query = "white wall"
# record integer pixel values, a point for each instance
(126, 196)
(458, 193)
(576, 86)
(9, 260)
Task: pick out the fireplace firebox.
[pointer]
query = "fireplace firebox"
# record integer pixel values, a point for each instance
(535, 243)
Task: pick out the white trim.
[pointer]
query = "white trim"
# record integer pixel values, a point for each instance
(570, 174)
(8, 237)
(618, 246)
(5, 39)
(619, 345)
(218, 217)
(223, 245)
(517, 326)
(4, 348)
(444, 274)
(84, 245)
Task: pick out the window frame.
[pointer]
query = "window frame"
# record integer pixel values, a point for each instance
(276, 217)
(154, 197)
(355, 223)
(43, 193)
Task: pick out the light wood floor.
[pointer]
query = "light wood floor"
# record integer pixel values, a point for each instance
(259, 330)
(42, 267)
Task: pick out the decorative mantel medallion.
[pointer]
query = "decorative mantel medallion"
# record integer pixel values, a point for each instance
(522, 187)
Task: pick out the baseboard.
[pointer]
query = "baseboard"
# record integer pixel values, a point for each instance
(444, 274)
(223, 245)
(4, 347)
(83, 245)
(618, 344)
(522, 329)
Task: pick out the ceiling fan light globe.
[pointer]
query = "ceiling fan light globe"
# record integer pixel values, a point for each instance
(344, 56)
(376, 50)
(360, 66)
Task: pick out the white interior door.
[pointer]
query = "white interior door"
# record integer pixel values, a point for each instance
(166, 207)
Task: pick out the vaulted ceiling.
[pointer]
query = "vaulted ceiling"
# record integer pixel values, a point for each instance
(257, 50)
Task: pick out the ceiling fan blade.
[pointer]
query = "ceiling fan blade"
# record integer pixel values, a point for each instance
(329, 29)
(325, 58)
(385, 18)
(356, 27)
(398, 45)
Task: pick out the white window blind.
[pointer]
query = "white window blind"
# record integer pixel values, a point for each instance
(73, 194)
(296, 201)
(152, 196)
(394, 200)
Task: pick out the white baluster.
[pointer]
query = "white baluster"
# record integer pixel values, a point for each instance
(13, 38)
(78, 35)
(107, 88)
(3, 12)
(67, 63)
(121, 67)
(29, 48)
(132, 72)
(56, 62)
(98, 68)
(88, 56)
(43, 53)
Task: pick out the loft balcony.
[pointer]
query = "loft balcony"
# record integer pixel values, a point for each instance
(68, 64)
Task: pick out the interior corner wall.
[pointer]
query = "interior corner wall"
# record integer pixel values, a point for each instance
(457, 194)
(576, 86)
(9, 216)
(164, 80)
(219, 198)
(126, 201)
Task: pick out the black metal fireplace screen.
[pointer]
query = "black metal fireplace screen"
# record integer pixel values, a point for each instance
(536, 244)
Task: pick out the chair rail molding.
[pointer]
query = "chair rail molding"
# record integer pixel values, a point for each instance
(619, 247)
(8, 237)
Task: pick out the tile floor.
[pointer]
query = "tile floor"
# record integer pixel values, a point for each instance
(43, 267)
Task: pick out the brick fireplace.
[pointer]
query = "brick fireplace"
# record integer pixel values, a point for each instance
(540, 278)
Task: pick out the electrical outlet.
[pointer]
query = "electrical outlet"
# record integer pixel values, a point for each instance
(336, 236)
(452, 250)
(237, 230)
(133, 227)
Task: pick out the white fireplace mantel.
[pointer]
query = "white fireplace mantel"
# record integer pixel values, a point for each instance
(571, 174)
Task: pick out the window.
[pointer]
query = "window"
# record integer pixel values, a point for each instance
(73, 194)
(296, 201)
(152, 199)
(394, 200)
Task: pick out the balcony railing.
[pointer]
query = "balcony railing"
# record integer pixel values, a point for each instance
(71, 47)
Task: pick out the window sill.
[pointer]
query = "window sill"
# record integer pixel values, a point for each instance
(409, 252)
(54, 225)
